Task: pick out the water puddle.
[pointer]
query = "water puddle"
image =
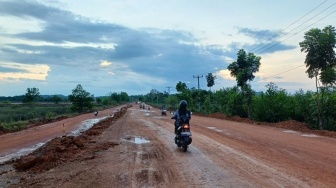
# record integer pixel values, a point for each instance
(289, 131)
(309, 135)
(158, 117)
(211, 128)
(19, 153)
(137, 139)
(87, 124)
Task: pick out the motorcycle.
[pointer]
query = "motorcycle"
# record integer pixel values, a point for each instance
(164, 112)
(183, 136)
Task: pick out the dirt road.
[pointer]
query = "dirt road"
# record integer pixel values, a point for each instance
(222, 154)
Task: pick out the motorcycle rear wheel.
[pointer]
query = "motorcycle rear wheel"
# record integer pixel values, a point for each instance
(185, 147)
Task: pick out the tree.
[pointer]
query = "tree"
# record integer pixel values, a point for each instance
(56, 99)
(320, 61)
(243, 70)
(319, 46)
(210, 80)
(81, 99)
(180, 86)
(98, 100)
(31, 95)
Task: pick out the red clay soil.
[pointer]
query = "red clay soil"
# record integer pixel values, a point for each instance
(223, 154)
(289, 124)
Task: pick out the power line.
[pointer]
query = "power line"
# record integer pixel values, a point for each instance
(297, 32)
(289, 25)
(280, 73)
(258, 51)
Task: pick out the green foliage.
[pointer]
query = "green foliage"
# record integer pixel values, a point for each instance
(302, 110)
(329, 109)
(273, 106)
(98, 100)
(50, 115)
(13, 126)
(328, 77)
(31, 95)
(181, 87)
(320, 62)
(120, 97)
(105, 101)
(210, 79)
(80, 99)
(56, 99)
(319, 46)
(172, 102)
(13, 116)
(244, 68)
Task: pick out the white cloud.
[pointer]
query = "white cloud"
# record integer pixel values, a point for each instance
(24, 71)
(104, 63)
(225, 74)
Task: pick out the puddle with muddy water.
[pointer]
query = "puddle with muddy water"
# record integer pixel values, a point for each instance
(136, 139)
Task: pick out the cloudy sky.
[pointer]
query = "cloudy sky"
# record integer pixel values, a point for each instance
(135, 46)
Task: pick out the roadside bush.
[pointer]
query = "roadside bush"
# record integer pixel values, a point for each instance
(13, 126)
(273, 106)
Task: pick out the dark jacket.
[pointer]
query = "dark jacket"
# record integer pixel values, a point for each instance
(181, 116)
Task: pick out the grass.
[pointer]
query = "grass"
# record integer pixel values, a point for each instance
(14, 116)
(17, 116)
(13, 126)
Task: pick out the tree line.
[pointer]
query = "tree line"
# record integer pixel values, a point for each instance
(80, 99)
(318, 108)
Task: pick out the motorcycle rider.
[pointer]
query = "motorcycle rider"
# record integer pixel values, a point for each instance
(182, 115)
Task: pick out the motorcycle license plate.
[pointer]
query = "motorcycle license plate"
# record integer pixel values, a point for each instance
(186, 134)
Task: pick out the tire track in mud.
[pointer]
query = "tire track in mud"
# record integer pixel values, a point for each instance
(194, 166)
(247, 167)
(145, 162)
(211, 163)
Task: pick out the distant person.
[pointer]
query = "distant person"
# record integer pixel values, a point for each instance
(96, 113)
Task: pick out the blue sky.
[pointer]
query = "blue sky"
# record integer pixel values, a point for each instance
(135, 46)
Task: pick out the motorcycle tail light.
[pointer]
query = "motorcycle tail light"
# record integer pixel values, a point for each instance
(186, 126)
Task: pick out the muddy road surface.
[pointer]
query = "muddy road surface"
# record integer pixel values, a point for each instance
(137, 150)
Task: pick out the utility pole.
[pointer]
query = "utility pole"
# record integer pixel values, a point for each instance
(198, 77)
(199, 102)
(168, 89)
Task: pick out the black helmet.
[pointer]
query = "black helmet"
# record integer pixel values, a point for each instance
(183, 104)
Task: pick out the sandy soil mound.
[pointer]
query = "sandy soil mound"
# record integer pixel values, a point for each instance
(68, 148)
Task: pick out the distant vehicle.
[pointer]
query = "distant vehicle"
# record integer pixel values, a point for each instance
(163, 112)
